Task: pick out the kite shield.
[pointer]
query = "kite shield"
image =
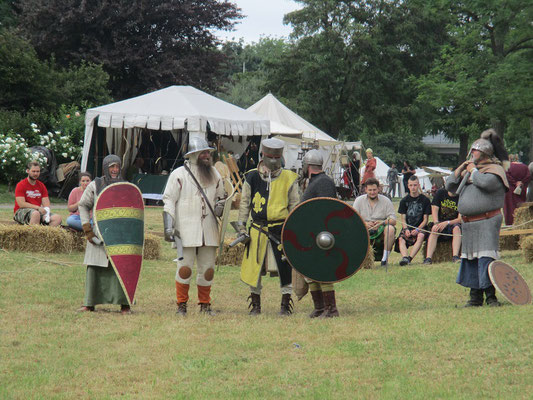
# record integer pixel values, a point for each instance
(119, 217)
(325, 240)
(509, 283)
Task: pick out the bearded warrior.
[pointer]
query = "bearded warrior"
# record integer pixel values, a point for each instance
(193, 199)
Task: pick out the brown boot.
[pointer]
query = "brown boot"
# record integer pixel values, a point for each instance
(330, 305)
(286, 305)
(182, 309)
(318, 300)
(255, 304)
(205, 308)
(125, 309)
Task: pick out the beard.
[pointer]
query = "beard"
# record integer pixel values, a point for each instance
(205, 172)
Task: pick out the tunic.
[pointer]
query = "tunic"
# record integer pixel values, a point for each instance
(517, 172)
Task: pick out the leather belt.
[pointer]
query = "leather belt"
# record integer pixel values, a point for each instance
(479, 217)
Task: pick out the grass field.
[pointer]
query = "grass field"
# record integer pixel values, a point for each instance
(402, 334)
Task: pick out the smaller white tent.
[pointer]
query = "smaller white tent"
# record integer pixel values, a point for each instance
(273, 109)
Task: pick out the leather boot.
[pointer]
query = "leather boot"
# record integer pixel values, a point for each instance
(125, 309)
(182, 309)
(490, 297)
(318, 301)
(330, 305)
(255, 304)
(476, 298)
(205, 308)
(286, 305)
(86, 309)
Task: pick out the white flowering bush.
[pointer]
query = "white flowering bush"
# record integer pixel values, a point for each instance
(62, 145)
(14, 155)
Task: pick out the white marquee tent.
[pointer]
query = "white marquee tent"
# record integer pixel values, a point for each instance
(273, 109)
(171, 109)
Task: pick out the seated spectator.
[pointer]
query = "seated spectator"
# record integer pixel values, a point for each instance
(414, 209)
(446, 219)
(378, 213)
(32, 205)
(74, 220)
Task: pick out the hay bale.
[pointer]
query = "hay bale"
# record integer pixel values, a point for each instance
(36, 238)
(509, 242)
(523, 214)
(233, 255)
(368, 262)
(236, 202)
(152, 247)
(443, 252)
(527, 248)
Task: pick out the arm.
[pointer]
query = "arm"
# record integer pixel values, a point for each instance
(22, 203)
(407, 232)
(486, 182)
(294, 196)
(86, 203)
(72, 205)
(172, 194)
(244, 208)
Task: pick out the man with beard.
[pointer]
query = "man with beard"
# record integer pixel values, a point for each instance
(102, 285)
(269, 193)
(320, 185)
(380, 218)
(193, 199)
(480, 202)
(32, 205)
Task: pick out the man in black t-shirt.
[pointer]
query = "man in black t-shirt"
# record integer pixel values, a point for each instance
(446, 219)
(414, 209)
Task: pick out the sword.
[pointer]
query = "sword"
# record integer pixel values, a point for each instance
(179, 247)
(269, 235)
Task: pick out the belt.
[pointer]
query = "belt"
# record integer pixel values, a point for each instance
(479, 217)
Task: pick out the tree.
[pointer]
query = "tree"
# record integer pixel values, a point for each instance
(142, 45)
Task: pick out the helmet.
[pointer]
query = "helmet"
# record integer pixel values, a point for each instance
(108, 161)
(484, 146)
(272, 150)
(312, 157)
(197, 145)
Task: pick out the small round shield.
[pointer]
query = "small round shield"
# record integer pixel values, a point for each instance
(509, 282)
(325, 239)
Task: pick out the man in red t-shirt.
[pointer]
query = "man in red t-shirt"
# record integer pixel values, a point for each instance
(32, 205)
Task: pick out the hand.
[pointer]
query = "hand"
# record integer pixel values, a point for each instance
(519, 183)
(407, 233)
(169, 235)
(414, 232)
(439, 227)
(90, 235)
(219, 207)
(41, 210)
(470, 166)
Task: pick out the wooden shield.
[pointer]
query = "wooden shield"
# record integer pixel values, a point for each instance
(509, 283)
(225, 219)
(325, 240)
(119, 218)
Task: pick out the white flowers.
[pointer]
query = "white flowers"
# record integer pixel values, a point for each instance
(64, 155)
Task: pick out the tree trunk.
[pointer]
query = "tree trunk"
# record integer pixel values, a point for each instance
(463, 147)
(499, 127)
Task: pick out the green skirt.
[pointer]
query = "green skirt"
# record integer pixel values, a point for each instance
(103, 287)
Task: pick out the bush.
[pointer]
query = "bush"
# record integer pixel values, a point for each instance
(62, 145)
(14, 155)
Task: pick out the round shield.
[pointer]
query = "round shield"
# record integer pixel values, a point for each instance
(509, 282)
(325, 239)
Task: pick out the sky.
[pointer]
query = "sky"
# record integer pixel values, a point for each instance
(262, 18)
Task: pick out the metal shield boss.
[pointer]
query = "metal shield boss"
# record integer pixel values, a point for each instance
(325, 240)
(509, 283)
(119, 218)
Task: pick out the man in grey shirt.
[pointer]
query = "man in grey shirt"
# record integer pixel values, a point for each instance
(479, 204)
(380, 218)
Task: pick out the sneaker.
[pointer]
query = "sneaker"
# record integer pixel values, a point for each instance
(456, 259)
(404, 261)
(428, 261)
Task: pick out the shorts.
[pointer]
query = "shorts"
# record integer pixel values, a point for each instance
(409, 241)
(448, 231)
(23, 216)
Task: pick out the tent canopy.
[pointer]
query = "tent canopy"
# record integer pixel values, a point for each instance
(273, 109)
(174, 108)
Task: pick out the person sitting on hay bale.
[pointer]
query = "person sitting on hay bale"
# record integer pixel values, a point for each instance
(102, 285)
(74, 220)
(446, 220)
(380, 219)
(32, 205)
(414, 209)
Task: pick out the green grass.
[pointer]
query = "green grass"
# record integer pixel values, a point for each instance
(402, 334)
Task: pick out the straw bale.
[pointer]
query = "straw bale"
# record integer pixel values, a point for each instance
(523, 214)
(509, 242)
(368, 262)
(152, 247)
(233, 255)
(527, 248)
(36, 238)
(443, 251)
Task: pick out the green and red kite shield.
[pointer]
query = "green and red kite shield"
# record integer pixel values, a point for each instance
(119, 217)
(509, 282)
(325, 240)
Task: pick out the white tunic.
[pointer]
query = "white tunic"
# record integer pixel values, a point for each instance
(183, 201)
(94, 255)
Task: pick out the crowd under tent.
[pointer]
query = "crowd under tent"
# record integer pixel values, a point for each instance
(150, 132)
(273, 109)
